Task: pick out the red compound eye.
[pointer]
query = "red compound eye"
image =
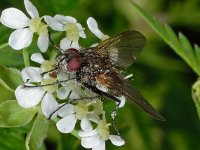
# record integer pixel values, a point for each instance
(74, 64)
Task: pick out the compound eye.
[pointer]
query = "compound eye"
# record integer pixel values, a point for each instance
(73, 64)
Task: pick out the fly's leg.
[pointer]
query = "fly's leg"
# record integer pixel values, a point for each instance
(113, 115)
(84, 98)
(43, 85)
(59, 107)
(72, 101)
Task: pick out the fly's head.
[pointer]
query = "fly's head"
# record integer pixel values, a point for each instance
(69, 61)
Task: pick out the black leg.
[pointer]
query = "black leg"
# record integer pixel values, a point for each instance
(72, 101)
(109, 96)
(42, 85)
(49, 71)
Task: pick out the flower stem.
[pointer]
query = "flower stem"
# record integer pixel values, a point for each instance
(53, 55)
(26, 57)
(75, 133)
(3, 45)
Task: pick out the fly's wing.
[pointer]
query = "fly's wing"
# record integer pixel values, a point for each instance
(122, 49)
(118, 84)
(139, 100)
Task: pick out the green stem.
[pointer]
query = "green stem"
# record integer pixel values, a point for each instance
(26, 57)
(3, 45)
(75, 133)
(53, 55)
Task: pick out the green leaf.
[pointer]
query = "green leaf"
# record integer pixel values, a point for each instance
(6, 93)
(35, 138)
(12, 139)
(10, 57)
(180, 45)
(11, 77)
(13, 115)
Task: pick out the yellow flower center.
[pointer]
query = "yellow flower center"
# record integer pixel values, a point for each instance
(50, 88)
(72, 31)
(37, 26)
(81, 110)
(47, 65)
(103, 129)
(98, 107)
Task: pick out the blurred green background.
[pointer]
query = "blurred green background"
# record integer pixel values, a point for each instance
(161, 76)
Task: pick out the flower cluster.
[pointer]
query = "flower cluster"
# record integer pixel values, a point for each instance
(41, 89)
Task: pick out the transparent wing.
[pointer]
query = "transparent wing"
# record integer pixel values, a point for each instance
(123, 48)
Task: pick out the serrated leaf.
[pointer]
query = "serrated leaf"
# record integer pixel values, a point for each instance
(181, 46)
(35, 138)
(187, 48)
(171, 35)
(13, 115)
(11, 77)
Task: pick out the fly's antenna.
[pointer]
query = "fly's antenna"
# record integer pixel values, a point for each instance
(54, 45)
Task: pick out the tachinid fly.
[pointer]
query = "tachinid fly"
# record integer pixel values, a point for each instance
(98, 65)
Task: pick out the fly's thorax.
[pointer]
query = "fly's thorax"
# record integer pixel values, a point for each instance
(92, 65)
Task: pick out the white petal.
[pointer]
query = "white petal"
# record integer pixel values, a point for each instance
(75, 45)
(37, 57)
(90, 141)
(63, 76)
(116, 140)
(14, 18)
(93, 117)
(65, 19)
(31, 73)
(62, 93)
(49, 104)
(43, 43)
(74, 95)
(100, 146)
(93, 26)
(65, 44)
(20, 38)
(81, 29)
(53, 23)
(84, 134)
(66, 124)
(86, 125)
(31, 9)
(66, 110)
(28, 97)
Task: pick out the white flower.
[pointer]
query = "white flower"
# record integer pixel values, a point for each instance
(28, 97)
(25, 27)
(93, 26)
(70, 114)
(68, 24)
(96, 138)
